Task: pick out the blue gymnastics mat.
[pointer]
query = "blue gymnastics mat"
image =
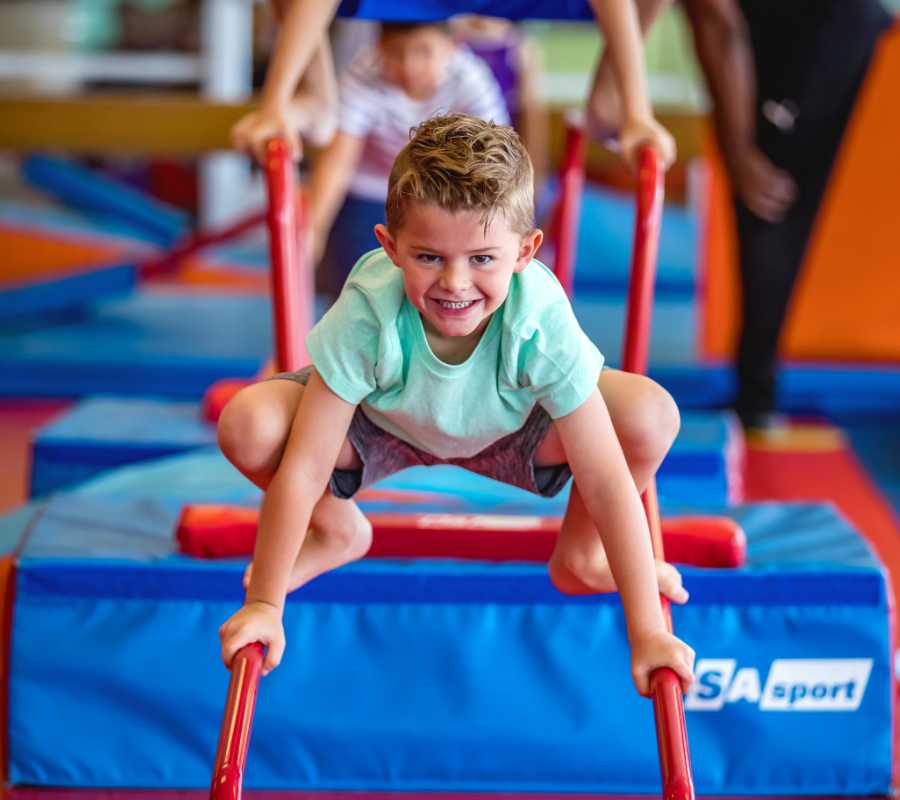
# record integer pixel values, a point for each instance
(98, 434)
(71, 289)
(435, 675)
(174, 344)
(151, 343)
(834, 390)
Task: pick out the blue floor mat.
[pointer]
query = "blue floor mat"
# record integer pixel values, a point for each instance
(98, 434)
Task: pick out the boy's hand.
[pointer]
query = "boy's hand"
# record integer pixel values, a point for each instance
(660, 649)
(252, 131)
(255, 622)
(637, 131)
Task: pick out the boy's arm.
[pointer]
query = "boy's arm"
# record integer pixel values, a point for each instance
(328, 184)
(619, 22)
(611, 498)
(318, 432)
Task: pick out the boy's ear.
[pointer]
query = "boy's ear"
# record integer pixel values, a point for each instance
(386, 241)
(528, 248)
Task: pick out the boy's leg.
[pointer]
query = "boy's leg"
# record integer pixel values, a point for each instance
(646, 421)
(253, 429)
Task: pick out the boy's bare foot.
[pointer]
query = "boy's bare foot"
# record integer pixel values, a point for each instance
(577, 575)
(337, 539)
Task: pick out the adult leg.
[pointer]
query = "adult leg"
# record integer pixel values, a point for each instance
(253, 430)
(646, 422)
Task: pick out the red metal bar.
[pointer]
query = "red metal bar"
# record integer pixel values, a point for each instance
(292, 288)
(643, 262)
(671, 731)
(571, 183)
(169, 262)
(234, 737)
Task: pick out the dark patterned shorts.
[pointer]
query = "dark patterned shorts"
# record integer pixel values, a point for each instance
(508, 460)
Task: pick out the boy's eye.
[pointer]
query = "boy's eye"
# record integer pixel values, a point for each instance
(428, 258)
(482, 260)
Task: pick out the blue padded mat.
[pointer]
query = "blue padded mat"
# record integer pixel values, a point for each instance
(175, 345)
(92, 192)
(829, 389)
(152, 343)
(605, 233)
(442, 674)
(100, 433)
(66, 291)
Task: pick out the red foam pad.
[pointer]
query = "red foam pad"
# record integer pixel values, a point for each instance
(218, 395)
(210, 531)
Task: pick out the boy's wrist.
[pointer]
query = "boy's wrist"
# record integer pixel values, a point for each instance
(263, 603)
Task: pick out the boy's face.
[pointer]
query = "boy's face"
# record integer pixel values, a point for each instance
(454, 272)
(416, 60)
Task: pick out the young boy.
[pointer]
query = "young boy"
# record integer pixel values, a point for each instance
(453, 345)
(413, 72)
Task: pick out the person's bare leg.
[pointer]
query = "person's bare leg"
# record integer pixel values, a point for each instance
(646, 422)
(252, 431)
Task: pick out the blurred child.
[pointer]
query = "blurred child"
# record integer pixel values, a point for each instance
(453, 345)
(414, 71)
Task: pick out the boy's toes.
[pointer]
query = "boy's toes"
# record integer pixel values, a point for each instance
(670, 584)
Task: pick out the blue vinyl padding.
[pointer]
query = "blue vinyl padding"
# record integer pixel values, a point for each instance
(434, 675)
(55, 220)
(151, 343)
(93, 193)
(103, 432)
(397, 10)
(70, 290)
(605, 240)
(830, 389)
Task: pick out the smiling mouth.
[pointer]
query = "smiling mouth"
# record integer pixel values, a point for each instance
(455, 305)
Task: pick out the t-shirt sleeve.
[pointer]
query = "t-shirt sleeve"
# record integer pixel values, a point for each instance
(480, 93)
(343, 346)
(557, 362)
(358, 97)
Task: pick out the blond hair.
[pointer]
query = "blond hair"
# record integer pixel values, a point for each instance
(461, 163)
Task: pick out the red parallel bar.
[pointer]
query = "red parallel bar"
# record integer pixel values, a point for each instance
(292, 290)
(671, 731)
(234, 737)
(571, 185)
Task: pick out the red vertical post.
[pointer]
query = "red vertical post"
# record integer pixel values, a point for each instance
(237, 722)
(292, 285)
(671, 731)
(571, 185)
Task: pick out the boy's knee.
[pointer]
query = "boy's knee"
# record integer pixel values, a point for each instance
(651, 423)
(248, 431)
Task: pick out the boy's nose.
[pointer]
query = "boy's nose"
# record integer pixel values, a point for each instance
(455, 279)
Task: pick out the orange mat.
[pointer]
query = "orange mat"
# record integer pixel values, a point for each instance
(28, 255)
(845, 306)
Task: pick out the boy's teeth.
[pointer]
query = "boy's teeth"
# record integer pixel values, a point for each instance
(449, 304)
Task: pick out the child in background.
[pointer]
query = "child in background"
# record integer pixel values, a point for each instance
(451, 344)
(413, 72)
(619, 21)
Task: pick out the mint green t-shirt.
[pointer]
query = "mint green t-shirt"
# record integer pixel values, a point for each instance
(370, 349)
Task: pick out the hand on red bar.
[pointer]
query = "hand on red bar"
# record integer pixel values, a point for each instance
(255, 622)
(660, 649)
